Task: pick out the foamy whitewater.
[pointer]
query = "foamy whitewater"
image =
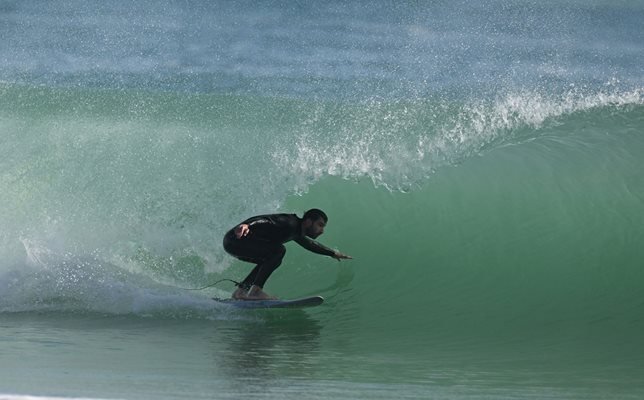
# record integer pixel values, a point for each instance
(481, 162)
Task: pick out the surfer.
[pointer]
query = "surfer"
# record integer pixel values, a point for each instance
(260, 240)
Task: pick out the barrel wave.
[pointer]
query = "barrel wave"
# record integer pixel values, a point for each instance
(526, 211)
(482, 164)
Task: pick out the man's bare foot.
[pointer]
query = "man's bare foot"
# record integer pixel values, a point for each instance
(256, 293)
(240, 293)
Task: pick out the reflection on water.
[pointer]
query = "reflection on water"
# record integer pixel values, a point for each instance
(290, 354)
(280, 344)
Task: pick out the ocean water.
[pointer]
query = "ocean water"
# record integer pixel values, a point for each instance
(483, 162)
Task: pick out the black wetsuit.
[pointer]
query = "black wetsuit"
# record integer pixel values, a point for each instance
(264, 244)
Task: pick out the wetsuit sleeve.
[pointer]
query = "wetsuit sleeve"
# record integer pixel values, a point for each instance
(261, 222)
(312, 245)
(273, 228)
(258, 221)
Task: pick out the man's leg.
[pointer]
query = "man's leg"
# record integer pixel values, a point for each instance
(244, 286)
(267, 256)
(254, 282)
(263, 270)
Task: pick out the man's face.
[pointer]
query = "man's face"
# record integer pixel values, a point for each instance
(313, 229)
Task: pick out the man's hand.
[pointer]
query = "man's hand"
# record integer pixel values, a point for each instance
(339, 256)
(242, 231)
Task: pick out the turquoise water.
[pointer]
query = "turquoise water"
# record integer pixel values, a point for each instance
(482, 164)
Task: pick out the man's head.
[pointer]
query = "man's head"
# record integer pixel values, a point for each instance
(313, 223)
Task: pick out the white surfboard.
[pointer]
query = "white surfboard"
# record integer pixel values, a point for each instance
(297, 303)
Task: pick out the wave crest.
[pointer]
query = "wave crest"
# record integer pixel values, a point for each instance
(399, 145)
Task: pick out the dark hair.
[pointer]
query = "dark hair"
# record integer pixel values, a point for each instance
(314, 214)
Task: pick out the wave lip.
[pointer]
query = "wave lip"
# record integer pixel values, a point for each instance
(399, 145)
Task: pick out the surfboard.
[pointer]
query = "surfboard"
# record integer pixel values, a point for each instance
(297, 303)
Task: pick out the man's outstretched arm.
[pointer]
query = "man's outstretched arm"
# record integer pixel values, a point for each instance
(312, 245)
